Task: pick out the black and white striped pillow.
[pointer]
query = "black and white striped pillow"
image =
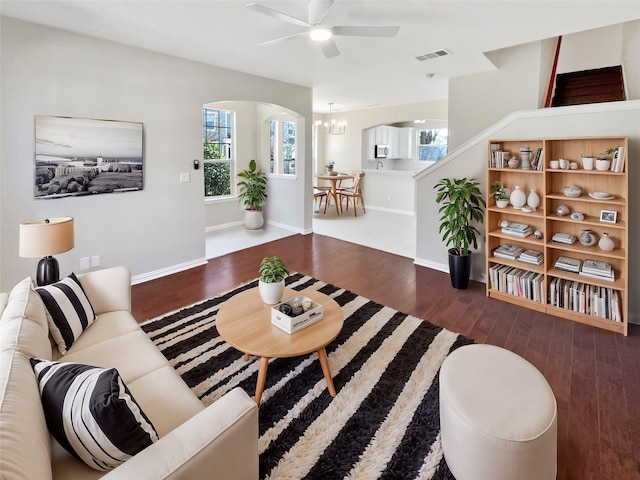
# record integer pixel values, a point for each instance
(91, 413)
(69, 311)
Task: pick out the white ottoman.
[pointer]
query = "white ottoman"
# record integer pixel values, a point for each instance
(498, 416)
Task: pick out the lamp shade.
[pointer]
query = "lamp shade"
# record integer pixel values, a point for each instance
(42, 238)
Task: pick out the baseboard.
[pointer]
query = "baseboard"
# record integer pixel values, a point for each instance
(391, 210)
(223, 226)
(284, 226)
(163, 272)
(444, 267)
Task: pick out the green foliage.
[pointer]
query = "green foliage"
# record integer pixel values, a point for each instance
(252, 189)
(217, 179)
(498, 191)
(211, 150)
(272, 270)
(461, 206)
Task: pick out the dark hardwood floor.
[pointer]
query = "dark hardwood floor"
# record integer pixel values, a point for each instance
(594, 374)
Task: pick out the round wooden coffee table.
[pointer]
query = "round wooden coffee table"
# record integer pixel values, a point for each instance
(244, 322)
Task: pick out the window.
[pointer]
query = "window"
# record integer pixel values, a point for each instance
(289, 147)
(273, 127)
(218, 159)
(282, 148)
(432, 144)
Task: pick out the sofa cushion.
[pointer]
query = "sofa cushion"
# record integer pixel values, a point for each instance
(91, 413)
(24, 438)
(69, 311)
(23, 324)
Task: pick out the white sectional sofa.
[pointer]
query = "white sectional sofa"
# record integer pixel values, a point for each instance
(220, 441)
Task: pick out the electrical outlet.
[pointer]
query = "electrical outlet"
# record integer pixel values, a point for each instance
(185, 178)
(95, 261)
(85, 263)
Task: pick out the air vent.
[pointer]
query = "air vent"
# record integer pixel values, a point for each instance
(432, 55)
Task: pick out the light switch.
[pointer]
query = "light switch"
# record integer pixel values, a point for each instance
(185, 178)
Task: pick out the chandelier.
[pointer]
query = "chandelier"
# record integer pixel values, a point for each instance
(331, 127)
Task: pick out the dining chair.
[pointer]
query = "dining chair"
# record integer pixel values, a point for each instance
(355, 192)
(318, 195)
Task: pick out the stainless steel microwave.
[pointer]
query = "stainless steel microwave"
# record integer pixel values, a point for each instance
(381, 151)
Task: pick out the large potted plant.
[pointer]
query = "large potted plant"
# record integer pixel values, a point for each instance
(461, 207)
(271, 282)
(252, 193)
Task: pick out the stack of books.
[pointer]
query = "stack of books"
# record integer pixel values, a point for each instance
(532, 257)
(596, 269)
(564, 238)
(568, 264)
(508, 251)
(517, 229)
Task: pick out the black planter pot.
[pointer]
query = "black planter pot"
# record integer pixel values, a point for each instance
(459, 269)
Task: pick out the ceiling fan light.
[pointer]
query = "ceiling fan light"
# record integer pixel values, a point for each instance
(320, 34)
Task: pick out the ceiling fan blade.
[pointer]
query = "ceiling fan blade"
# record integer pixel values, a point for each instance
(276, 14)
(317, 10)
(281, 39)
(366, 31)
(329, 48)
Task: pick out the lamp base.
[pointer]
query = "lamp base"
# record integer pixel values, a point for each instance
(48, 271)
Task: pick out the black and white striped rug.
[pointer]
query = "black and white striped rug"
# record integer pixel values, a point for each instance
(384, 421)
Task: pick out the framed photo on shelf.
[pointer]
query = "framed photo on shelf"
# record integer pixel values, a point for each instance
(608, 216)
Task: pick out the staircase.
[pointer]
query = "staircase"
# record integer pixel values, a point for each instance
(589, 86)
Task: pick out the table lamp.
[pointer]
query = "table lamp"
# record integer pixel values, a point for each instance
(44, 238)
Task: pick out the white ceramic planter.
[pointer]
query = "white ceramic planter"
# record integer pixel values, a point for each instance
(271, 293)
(602, 165)
(502, 203)
(253, 219)
(587, 163)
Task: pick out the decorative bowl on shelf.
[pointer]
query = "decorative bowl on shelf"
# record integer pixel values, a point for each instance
(572, 192)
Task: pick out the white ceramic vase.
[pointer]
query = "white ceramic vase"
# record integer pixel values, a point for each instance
(533, 200)
(271, 293)
(606, 243)
(518, 198)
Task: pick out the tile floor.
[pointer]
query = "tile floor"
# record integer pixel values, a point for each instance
(390, 232)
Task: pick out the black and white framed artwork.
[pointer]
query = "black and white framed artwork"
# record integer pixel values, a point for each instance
(80, 156)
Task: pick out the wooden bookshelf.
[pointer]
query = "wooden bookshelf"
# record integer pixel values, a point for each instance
(611, 296)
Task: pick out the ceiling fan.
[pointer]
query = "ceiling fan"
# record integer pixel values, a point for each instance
(316, 12)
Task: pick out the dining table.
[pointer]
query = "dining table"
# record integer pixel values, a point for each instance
(335, 182)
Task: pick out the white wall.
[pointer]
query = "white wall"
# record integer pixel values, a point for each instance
(161, 228)
(477, 101)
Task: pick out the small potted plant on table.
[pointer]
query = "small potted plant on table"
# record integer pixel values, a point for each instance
(271, 283)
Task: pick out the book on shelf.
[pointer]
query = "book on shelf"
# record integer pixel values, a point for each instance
(566, 238)
(597, 267)
(568, 264)
(610, 278)
(532, 257)
(617, 164)
(517, 282)
(579, 297)
(517, 229)
(508, 251)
